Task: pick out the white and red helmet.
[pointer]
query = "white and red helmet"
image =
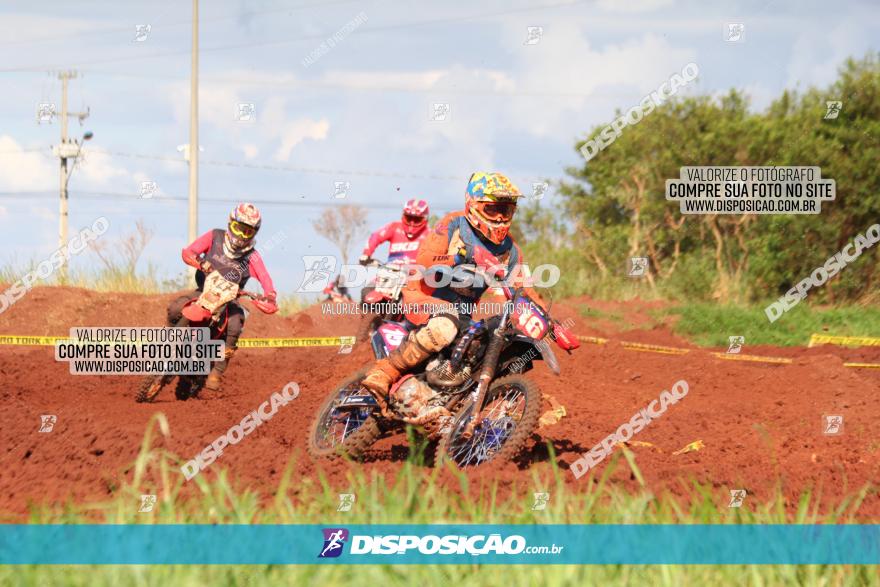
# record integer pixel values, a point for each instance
(415, 217)
(244, 223)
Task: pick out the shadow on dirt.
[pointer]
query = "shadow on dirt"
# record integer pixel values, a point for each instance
(539, 451)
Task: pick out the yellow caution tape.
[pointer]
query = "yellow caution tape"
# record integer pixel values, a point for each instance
(692, 447)
(335, 341)
(863, 365)
(242, 342)
(817, 339)
(753, 358)
(295, 342)
(31, 340)
(654, 348)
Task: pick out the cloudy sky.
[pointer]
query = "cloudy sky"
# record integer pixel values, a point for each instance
(359, 112)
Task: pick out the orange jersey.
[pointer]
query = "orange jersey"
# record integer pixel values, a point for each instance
(453, 242)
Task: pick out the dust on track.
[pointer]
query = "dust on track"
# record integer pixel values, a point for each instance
(761, 424)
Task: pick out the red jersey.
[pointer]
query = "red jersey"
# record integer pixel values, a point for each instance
(402, 248)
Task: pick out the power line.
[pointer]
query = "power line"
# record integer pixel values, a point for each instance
(338, 173)
(321, 37)
(323, 85)
(128, 29)
(290, 168)
(115, 196)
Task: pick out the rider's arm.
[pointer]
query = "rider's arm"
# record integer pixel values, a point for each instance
(382, 235)
(198, 247)
(259, 271)
(434, 250)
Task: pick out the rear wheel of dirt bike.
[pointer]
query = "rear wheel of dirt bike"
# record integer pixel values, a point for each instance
(151, 386)
(185, 389)
(510, 416)
(338, 431)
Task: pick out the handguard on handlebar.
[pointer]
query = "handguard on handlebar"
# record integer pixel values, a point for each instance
(266, 304)
(566, 340)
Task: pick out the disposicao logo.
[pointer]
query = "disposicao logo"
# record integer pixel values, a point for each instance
(334, 540)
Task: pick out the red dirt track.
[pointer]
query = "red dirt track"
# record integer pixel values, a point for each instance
(761, 424)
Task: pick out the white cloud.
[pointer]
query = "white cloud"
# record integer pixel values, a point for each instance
(25, 170)
(589, 80)
(43, 212)
(632, 6)
(218, 100)
(250, 151)
(97, 168)
(295, 132)
(819, 51)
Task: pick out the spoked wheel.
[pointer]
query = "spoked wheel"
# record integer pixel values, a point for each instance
(151, 386)
(510, 415)
(344, 425)
(188, 387)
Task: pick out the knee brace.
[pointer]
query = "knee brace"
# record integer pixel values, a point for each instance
(437, 333)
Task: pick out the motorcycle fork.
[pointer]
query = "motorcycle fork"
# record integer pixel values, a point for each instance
(487, 373)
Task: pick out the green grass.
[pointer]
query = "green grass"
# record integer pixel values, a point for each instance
(115, 278)
(414, 495)
(711, 324)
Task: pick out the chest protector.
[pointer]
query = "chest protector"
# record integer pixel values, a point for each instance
(470, 249)
(234, 270)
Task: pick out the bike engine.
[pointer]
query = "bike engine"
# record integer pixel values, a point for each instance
(445, 374)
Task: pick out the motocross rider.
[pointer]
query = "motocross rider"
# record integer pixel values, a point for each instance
(404, 235)
(231, 252)
(476, 236)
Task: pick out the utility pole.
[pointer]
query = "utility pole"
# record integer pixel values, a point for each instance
(194, 128)
(68, 149)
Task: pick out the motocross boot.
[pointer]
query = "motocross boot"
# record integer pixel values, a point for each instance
(212, 383)
(388, 370)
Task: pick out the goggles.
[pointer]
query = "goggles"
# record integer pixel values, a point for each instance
(242, 230)
(413, 220)
(498, 211)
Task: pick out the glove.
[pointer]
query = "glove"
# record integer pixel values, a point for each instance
(364, 260)
(206, 267)
(190, 259)
(267, 305)
(566, 340)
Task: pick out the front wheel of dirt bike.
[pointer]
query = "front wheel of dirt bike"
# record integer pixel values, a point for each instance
(151, 385)
(338, 430)
(510, 416)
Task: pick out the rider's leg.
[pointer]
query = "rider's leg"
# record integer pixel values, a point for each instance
(421, 344)
(234, 326)
(175, 308)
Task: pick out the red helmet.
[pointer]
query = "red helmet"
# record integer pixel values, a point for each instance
(415, 217)
(244, 222)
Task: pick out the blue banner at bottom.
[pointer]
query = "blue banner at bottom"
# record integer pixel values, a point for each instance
(445, 544)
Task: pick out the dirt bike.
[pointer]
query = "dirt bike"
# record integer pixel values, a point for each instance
(480, 407)
(379, 300)
(334, 295)
(210, 309)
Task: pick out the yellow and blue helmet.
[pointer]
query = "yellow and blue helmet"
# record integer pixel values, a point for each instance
(490, 203)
